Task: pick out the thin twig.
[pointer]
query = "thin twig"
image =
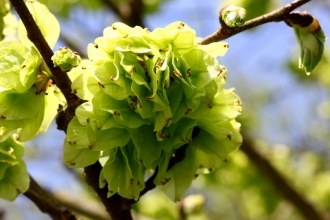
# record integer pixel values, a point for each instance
(275, 16)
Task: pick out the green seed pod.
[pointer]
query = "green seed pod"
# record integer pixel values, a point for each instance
(233, 15)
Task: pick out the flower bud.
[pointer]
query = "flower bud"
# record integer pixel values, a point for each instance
(66, 59)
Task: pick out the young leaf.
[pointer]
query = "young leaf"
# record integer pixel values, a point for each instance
(310, 37)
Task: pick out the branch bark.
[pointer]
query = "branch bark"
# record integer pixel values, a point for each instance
(46, 203)
(279, 182)
(275, 16)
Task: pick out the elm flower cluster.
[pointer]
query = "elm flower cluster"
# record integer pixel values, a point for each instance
(149, 96)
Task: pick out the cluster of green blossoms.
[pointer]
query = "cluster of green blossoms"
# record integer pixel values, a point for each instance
(150, 95)
(28, 98)
(28, 104)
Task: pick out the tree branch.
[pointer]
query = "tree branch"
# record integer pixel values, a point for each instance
(276, 16)
(61, 78)
(46, 203)
(118, 207)
(279, 182)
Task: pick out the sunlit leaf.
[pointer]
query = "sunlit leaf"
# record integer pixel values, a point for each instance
(46, 21)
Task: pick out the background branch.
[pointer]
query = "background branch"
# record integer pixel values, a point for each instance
(130, 12)
(46, 203)
(278, 15)
(94, 210)
(279, 182)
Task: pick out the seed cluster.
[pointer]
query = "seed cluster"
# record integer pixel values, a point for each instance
(147, 94)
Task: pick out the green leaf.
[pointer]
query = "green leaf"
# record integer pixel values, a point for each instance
(104, 119)
(14, 178)
(143, 106)
(30, 67)
(84, 85)
(78, 158)
(19, 65)
(15, 181)
(227, 131)
(122, 113)
(134, 44)
(76, 135)
(11, 57)
(114, 83)
(20, 109)
(5, 133)
(311, 40)
(28, 131)
(179, 177)
(85, 113)
(102, 50)
(226, 105)
(119, 30)
(215, 49)
(177, 34)
(46, 21)
(53, 99)
(100, 140)
(123, 173)
(202, 67)
(147, 145)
